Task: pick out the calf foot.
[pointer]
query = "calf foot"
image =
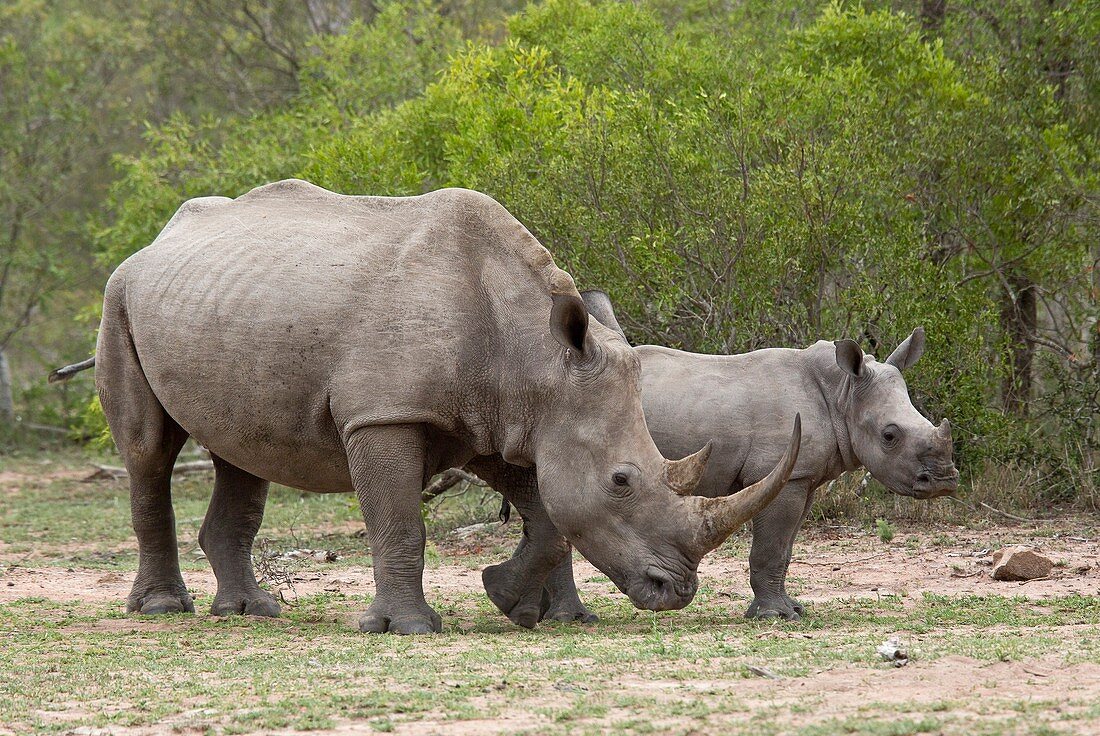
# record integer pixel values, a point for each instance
(250, 603)
(399, 618)
(523, 603)
(166, 599)
(777, 607)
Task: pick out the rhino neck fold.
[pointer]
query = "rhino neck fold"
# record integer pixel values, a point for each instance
(838, 400)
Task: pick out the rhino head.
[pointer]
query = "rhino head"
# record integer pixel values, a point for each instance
(888, 436)
(606, 486)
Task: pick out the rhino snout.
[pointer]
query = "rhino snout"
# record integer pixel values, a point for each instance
(933, 482)
(660, 590)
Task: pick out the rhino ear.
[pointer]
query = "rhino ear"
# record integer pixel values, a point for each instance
(569, 321)
(599, 306)
(906, 354)
(849, 356)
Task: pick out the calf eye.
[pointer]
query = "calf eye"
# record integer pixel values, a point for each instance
(888, 436)
(620, 479)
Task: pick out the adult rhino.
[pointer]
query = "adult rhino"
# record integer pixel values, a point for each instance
(341, 343)
(857, 412)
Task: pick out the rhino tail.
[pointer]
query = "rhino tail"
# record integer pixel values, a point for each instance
(67, 372)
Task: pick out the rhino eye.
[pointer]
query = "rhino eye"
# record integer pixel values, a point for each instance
(890, 435)
(620, 479)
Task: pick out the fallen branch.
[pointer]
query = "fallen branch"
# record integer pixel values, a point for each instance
(110, 472)
(1032, 580)
(1005, 514)
(45, 428)
(447, 480)
(841, 562)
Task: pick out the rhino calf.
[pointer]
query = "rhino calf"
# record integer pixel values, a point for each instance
(856, 411)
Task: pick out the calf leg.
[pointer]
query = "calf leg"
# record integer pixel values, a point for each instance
(773, 533)
(232, 520)
(517, 586)
(387, 467)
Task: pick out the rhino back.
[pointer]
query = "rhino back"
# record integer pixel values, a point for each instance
(745, 403)
(269, 325)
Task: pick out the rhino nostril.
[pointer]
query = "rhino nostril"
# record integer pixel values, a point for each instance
(924, 478)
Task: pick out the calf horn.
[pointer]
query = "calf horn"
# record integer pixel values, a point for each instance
(683, 476)
(723, 516)
(943, 434)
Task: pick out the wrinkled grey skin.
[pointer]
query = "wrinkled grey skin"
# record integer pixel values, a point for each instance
(856, 412)
(361, 344)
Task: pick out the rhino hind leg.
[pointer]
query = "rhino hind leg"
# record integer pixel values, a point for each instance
(148, 441)
(773, 532)
(388, 471)
(517, 585)
(234, 516)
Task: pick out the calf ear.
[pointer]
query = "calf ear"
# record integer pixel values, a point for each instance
(569, 321)
(599, 306)
(906, 354)
(849, 356)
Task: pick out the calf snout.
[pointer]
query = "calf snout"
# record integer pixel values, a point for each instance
(938, 479)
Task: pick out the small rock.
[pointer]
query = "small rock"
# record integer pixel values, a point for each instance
(1020, 563)
(891, 651)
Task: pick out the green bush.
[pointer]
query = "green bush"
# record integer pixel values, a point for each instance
(843, 177)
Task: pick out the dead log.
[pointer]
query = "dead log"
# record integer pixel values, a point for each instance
(110, 472)
(447, 480)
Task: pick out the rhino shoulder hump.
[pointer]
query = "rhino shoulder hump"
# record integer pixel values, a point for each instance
(297, 189)
(490, 216)
(192, 208)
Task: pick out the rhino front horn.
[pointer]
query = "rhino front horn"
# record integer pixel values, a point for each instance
(683, 476)
(723, 516)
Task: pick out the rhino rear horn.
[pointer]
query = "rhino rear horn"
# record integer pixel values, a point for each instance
(683, 476)
(599, 306)
(723, 516)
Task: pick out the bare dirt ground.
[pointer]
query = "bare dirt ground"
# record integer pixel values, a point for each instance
(828, 565)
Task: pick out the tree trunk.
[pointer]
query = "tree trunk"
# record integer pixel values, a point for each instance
(931, 16)
(7, 405)
(1019, 318)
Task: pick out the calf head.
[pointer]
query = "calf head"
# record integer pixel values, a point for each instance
(605, 484)
(889, 437)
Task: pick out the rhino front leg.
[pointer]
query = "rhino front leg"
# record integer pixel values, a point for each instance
(517, 586)
(773, 533)
(565, 602)
(387, 470)
(228, 531)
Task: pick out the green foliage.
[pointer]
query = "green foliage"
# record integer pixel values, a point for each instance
(734, 179)
(885, 530)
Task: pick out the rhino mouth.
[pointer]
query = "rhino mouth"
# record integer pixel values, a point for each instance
(659, 590)
(932, 484)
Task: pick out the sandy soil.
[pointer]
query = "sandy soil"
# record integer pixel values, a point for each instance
(827, 566)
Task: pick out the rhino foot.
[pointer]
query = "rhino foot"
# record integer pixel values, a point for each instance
(382, 618)
(784, 608)
(523, 605)
(158, 602)
(562, 613)
(253, 603)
